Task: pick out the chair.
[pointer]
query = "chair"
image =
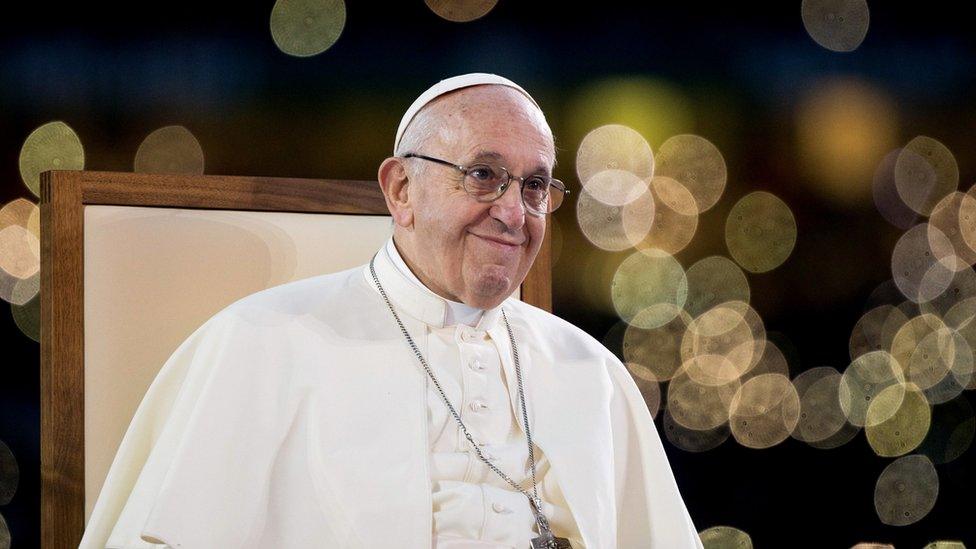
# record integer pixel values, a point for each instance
(132, 263)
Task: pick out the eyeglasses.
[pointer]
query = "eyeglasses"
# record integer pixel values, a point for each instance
(486, 182)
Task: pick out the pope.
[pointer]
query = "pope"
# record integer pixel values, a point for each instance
(413, 401)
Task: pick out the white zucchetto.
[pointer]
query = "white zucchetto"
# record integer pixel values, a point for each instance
(451, 84)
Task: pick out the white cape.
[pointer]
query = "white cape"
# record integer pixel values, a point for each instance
(296, 418)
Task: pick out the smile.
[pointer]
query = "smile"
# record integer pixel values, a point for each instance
(498, 245)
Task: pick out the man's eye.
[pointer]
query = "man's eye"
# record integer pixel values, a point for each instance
(483, 173)
(536, 184)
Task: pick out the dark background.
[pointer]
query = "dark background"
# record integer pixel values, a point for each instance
(116, 71)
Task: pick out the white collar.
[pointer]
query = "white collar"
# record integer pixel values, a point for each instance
(406, 291)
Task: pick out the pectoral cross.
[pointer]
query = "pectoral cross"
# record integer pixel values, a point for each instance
(546, 539)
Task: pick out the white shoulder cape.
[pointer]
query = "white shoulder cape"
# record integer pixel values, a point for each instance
(296, 418)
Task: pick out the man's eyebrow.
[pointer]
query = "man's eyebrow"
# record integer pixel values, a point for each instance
(493, 155)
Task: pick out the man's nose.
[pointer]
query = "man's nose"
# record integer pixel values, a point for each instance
(508, 207)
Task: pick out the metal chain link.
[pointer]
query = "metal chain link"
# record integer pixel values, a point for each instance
(534, 498)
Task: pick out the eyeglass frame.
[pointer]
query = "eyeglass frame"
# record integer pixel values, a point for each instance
(504, 186)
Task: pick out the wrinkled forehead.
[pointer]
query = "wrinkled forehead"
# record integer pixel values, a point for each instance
(494, 101)
(493, 122)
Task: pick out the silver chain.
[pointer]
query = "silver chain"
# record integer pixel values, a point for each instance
(534, 498)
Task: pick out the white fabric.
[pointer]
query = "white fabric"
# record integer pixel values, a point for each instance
(451, 84)
(473, 506)
(457, 312)
(299, 417)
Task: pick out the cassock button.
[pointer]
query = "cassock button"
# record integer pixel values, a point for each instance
(499, 508)
(478, 405)
(476, 365)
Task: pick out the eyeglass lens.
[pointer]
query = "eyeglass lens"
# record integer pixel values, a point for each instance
(484, 182)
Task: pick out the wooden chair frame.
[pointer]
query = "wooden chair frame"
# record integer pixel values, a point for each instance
(64, 194)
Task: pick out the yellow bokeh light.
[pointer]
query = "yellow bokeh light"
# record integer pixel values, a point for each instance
(461, 11)
(656, 109)
(649, 279)
(52, 146)
(844, 127)
(721, 537)
(863, 380)
(902, 431)
(304, 28)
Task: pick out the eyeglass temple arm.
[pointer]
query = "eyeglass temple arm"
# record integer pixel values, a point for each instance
(438, 160)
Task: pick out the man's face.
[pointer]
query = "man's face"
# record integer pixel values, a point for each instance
(458, 240)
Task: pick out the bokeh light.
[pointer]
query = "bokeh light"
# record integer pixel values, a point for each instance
(925, 172)
(304, 28)
(725, 537)
(171, 150)
(20, 254)
(923, 263)
(651, 282)
(945, 544)
(614, 147)
(659, 348)
(654, 108)
(615, 227)
(52, 146)
(764, 411)
(675, 219)
(713, 280)
(844, 127)
(906, 490)
(904, 429)
(760, 231)
(694, 440)
(9, 474)
(697, 165)
(648, 384)
(838, 25)
(820, 413)
(886, 199)
(461, 11)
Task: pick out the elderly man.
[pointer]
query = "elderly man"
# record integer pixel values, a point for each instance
(409, 402)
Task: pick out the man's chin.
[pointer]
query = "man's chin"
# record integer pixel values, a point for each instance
(492, 286)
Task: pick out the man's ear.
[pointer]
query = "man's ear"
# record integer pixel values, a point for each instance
(394, 180)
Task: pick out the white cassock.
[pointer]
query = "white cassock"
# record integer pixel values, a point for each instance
(299, 417)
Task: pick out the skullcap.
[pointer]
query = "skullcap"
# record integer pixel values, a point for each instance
(451, 84)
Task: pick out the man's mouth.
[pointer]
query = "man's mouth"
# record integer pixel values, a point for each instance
(499, 244)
